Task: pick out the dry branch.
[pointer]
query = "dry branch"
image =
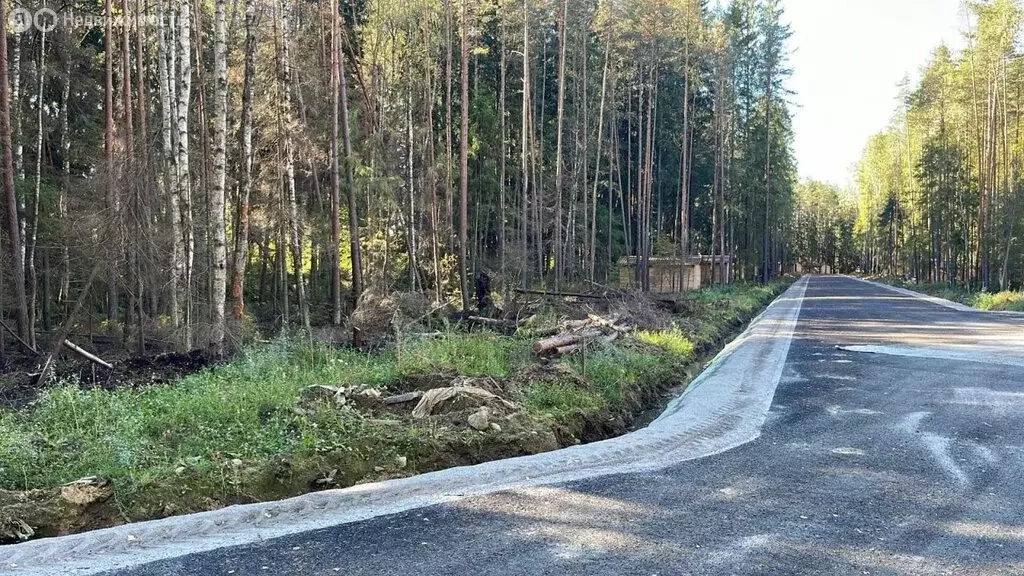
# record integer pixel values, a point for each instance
(87, 355)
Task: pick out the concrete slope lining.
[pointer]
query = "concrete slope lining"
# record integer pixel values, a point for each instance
(723, 408)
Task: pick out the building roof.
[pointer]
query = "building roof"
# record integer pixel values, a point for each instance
(691, 260)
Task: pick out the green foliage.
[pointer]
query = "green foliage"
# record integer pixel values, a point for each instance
(934, 204)
(1005, 300)
(559, 400)
(240, 410)
(237, 432)
(823, 228)
(672, 341)
(478, 354)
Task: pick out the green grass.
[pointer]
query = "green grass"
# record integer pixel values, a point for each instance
(1005, 300)
(606, 374)
(672, 341)
(600, 380)
(242, 410)
(478, 354)
(235, 432)
(560, 400)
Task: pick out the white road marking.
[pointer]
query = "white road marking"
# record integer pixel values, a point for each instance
(849, 451)
(937, 445)
(985, 355)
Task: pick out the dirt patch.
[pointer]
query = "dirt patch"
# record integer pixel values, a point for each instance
(76, 507)
(19, 383)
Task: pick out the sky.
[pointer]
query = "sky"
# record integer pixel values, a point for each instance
(848, 56)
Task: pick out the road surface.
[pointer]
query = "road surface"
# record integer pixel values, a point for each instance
(894, 444)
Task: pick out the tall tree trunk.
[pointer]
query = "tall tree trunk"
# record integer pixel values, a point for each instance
(184, 178)
(16, 99)
(558, 247)
(684, 149)
(108, 148)
(166, 69)
(13, 227)
(241, 234)
(219, 232)
(295, 226)
(33, 234)
(592, 250)
(464, 158)
(353, 214)
(334, 251)
(62, 203)
(767, 263)
(502, 66)
(524, 152)
(133, 211)
(449, 113)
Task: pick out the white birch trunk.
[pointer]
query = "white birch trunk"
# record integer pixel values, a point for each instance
(219, 234)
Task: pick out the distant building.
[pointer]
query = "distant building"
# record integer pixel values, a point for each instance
(698, 272)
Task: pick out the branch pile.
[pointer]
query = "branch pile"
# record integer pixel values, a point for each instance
(573, 335)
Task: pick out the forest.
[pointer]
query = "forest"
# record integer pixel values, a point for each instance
(939, 189)
(182, 174)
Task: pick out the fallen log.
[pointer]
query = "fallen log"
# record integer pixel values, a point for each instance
(551, 345)
(563, 350)
(87, 355)
(18, 338)
(605, 296)
(610, 324)
(493, 322)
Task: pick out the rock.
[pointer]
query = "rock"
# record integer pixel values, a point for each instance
(403, 398)
(401, 461)
(480, 420)
(495, 426)
(87, 491)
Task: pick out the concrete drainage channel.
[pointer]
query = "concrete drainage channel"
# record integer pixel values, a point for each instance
(723, 408)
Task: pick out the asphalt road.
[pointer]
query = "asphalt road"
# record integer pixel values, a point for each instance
(905, 460)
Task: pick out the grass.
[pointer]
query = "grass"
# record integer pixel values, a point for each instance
(1005, 300)
(236, 432)
(672, 341)
(242, 410)
(482, 354)
(602, 379)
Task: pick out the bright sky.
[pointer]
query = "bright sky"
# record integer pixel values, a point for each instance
(848, 57)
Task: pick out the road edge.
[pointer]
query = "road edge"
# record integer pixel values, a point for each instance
(907, 292)
(723, 408)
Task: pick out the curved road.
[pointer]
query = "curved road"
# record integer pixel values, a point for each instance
(894, 444)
